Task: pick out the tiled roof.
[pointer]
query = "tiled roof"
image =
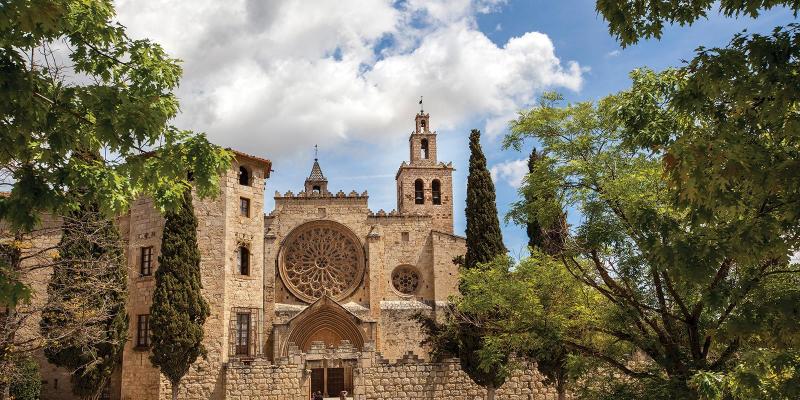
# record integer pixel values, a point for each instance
(316, 172)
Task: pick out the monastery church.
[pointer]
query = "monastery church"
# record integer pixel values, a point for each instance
(317, 295)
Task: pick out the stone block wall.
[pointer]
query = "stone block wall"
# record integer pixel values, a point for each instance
(376, 379)
(410, 379)
(262, 380)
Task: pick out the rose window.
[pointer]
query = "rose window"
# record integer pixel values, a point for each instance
(322, 259)
(405, 279)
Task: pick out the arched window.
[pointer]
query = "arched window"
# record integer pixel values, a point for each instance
(424, 149)
(244, 176)
(316, 189)
(419, 192)
(436, 191)
(244, 261)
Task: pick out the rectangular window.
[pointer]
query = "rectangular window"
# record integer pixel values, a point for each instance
(146, 261)
(244, 261)
(143, 330)
(244, 207)
(242, 334)
(404, 236)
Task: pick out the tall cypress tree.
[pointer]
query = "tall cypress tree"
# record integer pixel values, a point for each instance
(484, 240)
(484, 244)
(548, 240)
(533, 228)
(179, 309)
(84, 320)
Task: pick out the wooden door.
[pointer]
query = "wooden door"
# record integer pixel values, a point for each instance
(335, 381)
(317, 380)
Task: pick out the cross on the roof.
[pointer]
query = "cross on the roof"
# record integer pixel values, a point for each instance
(421, 109)
(316, 150)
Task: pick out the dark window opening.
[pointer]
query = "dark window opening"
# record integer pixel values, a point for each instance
(244, 261)
(143, 330)
(422, 124)
(244, 176)
(146, 261)
(244, 207)
(436, 192)
(424, 149)
(419, 192)
(316, 189)
(242, 334)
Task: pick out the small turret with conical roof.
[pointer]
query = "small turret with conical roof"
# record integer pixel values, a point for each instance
(316, 184)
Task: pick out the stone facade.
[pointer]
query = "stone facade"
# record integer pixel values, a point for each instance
(318, 294)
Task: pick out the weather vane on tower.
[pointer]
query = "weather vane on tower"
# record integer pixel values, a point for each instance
(421, 109)
(316, 151)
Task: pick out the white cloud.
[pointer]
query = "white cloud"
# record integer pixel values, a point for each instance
(613, 53)
(273, 78)
(512, 172)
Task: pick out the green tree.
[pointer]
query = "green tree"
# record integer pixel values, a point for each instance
(728, 118)
(100, 92)
(179, 309)
(484, 240)
(691, 289)
(532, 308)
(26, 383)
(536, 235)
(549, 240)
(84, 322)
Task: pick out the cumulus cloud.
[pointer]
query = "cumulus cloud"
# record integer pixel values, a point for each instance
(276, 77)
(512, 172)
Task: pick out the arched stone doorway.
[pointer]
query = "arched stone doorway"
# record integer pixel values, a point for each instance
(319, 332)
(323, 321)
(328, 324)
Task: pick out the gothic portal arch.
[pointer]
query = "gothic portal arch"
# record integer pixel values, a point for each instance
(325, 321)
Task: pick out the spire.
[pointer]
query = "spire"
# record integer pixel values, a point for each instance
(316, 172)
(316, 184)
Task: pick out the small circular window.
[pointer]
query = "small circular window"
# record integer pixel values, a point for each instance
(405, 279)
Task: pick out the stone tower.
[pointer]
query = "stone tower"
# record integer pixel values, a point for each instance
(425, 185)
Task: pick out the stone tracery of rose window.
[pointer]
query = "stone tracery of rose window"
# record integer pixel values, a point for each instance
(322, 259)
(405, 279)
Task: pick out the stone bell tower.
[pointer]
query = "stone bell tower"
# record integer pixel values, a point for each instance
(425, 185)
(316, 184)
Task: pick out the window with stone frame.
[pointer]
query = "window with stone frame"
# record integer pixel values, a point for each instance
(436, 192)
(146, 261)
(244, 335)
(143, 330)
(244, 207)
(243, 260)
(424, 147)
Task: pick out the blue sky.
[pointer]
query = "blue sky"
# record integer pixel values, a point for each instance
(275, 78)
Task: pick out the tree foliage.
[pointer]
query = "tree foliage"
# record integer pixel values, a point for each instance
(26, 383)
(72, 82)
(84, 322)
(179, 309)
(691, 288)
(532, 308)
(632, 20)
